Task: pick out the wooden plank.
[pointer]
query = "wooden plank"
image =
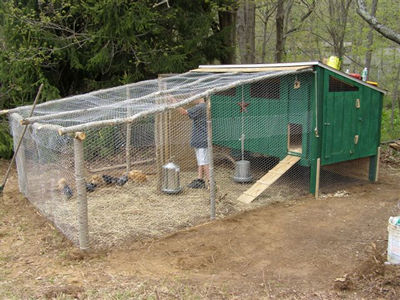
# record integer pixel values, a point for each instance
(378, 158)
(317, 178)
(268, 179)
(246, 198)
(249, 70)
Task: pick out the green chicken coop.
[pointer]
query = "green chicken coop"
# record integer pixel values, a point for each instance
(317, 113)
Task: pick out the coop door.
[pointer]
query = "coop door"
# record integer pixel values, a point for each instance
(299, 98)
(340, 119)
(295, 137)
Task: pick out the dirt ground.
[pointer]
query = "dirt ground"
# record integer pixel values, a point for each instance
(330, 248)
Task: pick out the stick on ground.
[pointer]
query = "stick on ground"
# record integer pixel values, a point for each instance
(19, 142)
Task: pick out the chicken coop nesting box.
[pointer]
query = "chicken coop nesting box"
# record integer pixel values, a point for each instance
(273, 116)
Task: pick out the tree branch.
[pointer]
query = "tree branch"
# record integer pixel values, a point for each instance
(382, 29)
(311, 8)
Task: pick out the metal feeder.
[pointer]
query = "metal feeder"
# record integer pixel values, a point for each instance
(170, 179)
(242, 172)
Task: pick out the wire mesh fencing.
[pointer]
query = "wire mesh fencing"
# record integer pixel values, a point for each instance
(242, 145)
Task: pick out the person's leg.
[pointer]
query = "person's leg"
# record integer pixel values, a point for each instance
(200, 172)
(199, 182)
(206, 171)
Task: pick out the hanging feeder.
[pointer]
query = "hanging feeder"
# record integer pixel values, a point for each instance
(242, 167)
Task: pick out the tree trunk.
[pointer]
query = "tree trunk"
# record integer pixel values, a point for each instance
(264, 42)
(280, 26)
(338, 13)
(283, 20)
(266, 15)
(246, 31)
(370, 38)
(395, 97)
(227, 21)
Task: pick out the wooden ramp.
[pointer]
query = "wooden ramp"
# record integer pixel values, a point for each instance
(264, 182)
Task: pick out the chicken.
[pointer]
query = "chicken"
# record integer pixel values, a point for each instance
(109, 179)
(90, 187)
(96, 180)
(122, 180)
(137, 176)
(65, 189)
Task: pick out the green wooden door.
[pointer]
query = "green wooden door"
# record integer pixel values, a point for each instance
(342, 120)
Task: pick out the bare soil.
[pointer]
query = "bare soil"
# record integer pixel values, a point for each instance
(330, 248)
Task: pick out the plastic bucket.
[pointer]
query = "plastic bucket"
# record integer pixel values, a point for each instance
(393, 251)
(334, 62)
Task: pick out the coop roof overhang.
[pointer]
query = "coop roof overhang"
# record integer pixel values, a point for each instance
(127, 103)
(139, 99)
(280, 66)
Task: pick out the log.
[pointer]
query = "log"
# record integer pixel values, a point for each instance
(395, 146)
(128, 136)
(211, 159)
(82, 197)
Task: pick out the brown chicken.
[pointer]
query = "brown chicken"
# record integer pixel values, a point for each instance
(96, 179)
(137, 176)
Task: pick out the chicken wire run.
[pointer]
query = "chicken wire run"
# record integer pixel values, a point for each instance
(93, 163)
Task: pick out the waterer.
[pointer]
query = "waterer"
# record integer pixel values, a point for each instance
(242, 172)
(170, 178)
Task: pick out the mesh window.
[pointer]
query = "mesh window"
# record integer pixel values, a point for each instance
(336, 85)
(267, 88)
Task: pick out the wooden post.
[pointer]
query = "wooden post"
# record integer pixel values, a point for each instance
(314, 176)
(211, 159)
(162, 134)
(166, 131)
(317, 178)
(158, 150)
(23, 182)
(81, 191)
(20, 140)
(374, 166)
(128, 134)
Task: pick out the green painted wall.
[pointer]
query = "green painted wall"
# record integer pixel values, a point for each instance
(265, 121)
(325, 105)
(343, 121)
(333, 113)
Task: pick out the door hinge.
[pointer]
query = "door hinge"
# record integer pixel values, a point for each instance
(357, 103)
(356, 139)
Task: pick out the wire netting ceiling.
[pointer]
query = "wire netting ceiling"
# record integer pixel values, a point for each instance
(140, 98)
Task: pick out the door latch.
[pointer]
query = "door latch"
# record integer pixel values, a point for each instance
(356, 139)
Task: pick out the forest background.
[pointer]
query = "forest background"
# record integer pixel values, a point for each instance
(75, 46)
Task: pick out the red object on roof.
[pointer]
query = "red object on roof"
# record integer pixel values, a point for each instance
(355, 75)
